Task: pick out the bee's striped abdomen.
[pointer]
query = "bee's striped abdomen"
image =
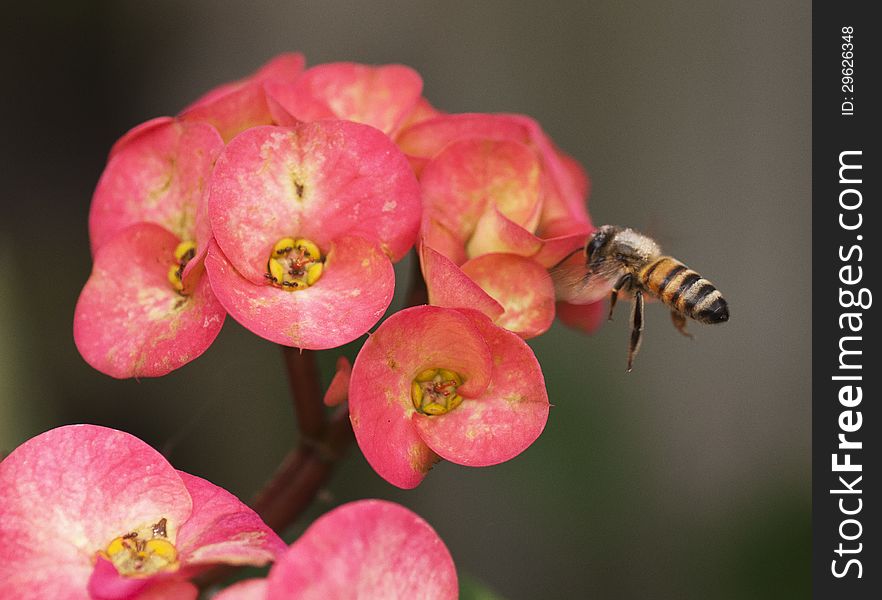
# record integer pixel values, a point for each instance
(684, 290)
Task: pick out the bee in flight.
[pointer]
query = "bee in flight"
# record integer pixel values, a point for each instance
(621, 260)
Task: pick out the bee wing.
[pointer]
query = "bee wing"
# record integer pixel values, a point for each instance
(574, 282)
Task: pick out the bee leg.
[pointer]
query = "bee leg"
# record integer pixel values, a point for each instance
(680, 323)
(622, 282)
(636, 328)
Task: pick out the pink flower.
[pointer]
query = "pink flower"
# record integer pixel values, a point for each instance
(436, 383)
(91, 512)
(365, 549)
(146, 309)
(563, 183)
(497, 185)
(308, 221)
(382, 97)
(234, 107)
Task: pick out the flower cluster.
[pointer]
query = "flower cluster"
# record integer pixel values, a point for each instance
(283, 200)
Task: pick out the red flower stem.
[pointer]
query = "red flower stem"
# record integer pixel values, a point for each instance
(306, 392)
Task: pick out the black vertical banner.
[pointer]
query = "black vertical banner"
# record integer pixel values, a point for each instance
(846, 429)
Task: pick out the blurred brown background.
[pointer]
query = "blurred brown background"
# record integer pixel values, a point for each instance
(688, 478)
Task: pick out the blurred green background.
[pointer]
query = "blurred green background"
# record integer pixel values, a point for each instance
(688, 478)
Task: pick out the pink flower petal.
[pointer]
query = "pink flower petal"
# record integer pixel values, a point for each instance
(234, 107)
(521, 285)
(556, 249)
(422, 111)
(380, 404)
(285, 66)
(428, 138)
(494, 232)
(319, 181)
(447, 243)
(563, 182)
(222, 529)
(450, 287)
(469, 176)
(106, 583)
(338, 389)
(585, 317)
(70, 491)
(504, 420)
(378, 96)
(248, 589)
(156, 175)
(172, 589)
(129, 321)
(137, 131)
(366, 549)
(354, 291)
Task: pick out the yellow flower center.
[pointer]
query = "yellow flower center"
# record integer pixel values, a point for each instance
(295, 264)
(184, 253)
(433, 391)
(143, 552)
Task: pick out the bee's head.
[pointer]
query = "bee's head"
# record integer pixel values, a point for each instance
(600, 238)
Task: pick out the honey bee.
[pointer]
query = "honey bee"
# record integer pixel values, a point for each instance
(619, 260)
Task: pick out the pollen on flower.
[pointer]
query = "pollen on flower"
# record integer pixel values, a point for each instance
(184, 253)
(433, 391)
(142, 552)
(295, 264)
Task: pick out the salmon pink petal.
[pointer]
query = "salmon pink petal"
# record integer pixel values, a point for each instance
(378, 96)
(523, 288)
(422, 111)
(248, 589)
(285, 66)
(564, 227)
(171, 589)
(234, 107)
(354, 291)
(366, 549)
(585, 317)
(448, 286)
(156, 176)
(223, 530)
(318, 181)
(505, 419)
(391, 444)
(494, 232)
(107, 584)
(447, 243)
(428, 138)
(70, 491)
(137, 131)
(380, 406)
(338, 389)
(468, 176)
(556, 249)
(129, 320)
